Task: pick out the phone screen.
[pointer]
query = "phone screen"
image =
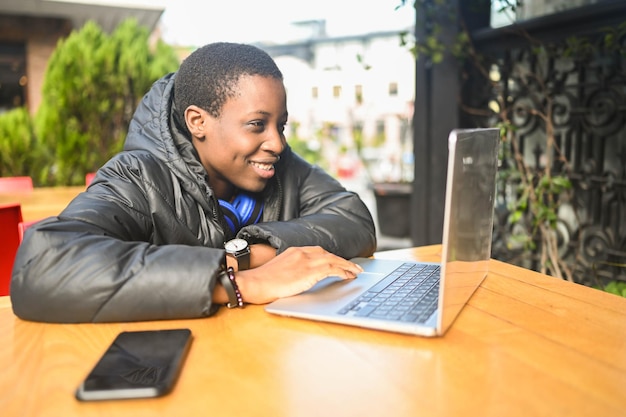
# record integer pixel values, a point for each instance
(139, 364)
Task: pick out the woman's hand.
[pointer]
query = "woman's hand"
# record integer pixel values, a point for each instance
(295, 270)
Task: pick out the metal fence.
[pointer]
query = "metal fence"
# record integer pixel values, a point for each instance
(583, 73)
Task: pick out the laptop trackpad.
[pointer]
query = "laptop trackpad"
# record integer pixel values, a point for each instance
(333, 292)
(378, 266)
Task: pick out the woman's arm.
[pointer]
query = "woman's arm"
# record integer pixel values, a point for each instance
(118, 252)
(316, 210)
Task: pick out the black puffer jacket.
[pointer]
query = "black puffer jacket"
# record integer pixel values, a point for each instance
(145, 241)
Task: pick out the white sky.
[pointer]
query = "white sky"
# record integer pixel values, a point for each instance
(197, 22)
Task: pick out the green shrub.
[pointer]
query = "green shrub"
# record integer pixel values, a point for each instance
(19, 153)
(92, 85)
(616, 287)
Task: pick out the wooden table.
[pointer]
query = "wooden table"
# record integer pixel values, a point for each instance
(42, 202)
(526, 345)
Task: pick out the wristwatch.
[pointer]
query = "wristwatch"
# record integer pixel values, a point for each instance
(240, 249)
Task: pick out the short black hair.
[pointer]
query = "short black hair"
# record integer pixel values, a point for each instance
(209, 76)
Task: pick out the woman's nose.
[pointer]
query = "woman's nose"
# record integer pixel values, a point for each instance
(275, 142)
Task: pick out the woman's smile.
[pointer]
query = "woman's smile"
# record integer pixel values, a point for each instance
(264, 170)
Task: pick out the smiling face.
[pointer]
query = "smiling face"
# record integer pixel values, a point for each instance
(239, 148)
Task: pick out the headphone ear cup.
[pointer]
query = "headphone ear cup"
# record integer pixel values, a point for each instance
(231, 215)
(249, 208)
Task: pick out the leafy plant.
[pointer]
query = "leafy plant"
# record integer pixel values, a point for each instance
(545, 185)
(92, 85)
(616, 287)
(540, 188)
(19, 153)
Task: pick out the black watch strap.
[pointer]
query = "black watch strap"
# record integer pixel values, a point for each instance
(240, 249)
(243, 260)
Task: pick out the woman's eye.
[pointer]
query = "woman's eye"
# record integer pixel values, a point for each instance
(257, 123)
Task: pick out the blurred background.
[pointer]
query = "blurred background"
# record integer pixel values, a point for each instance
(373, 90)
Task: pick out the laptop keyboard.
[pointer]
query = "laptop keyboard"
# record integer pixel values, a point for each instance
(408, 294)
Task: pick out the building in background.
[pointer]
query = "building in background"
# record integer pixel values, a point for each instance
(344, 93)
(30, 30)
(352, 92)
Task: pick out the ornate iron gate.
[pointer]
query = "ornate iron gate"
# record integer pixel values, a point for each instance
(582, 81)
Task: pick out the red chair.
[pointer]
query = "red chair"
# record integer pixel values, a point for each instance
(22, 226)
(16, 184)
(10, 218)
(89, 177)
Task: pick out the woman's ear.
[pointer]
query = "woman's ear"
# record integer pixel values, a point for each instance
(194, 118)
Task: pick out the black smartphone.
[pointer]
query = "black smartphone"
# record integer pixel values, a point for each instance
(140, 364)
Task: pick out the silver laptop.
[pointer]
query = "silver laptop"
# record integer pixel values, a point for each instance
(416, 297)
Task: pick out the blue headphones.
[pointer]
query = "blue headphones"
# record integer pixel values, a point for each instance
(244, 210)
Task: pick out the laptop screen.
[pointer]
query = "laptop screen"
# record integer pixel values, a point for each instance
(468, 218)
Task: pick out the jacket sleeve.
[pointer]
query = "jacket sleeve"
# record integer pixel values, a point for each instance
(93, 264)
(317, 211)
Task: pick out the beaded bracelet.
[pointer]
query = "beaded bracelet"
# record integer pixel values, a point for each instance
(232, 289)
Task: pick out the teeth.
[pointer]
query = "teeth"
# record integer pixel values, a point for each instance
(265, 167)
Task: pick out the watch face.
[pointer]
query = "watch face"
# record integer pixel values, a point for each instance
(235, 245)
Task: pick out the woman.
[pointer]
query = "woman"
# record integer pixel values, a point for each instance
(206, 205)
